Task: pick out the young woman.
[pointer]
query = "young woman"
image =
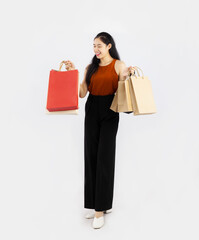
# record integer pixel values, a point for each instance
(101, 78)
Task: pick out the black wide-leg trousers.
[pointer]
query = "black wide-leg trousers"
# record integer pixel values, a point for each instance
(100, 130)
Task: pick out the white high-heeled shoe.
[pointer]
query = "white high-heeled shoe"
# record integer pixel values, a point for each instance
(92, 215)
(98, 222)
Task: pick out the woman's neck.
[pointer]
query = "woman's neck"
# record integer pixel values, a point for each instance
(105, 61)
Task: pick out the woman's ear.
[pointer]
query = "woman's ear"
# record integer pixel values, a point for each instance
(110, 45)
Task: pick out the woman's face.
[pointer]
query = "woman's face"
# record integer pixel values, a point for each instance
(100, 48)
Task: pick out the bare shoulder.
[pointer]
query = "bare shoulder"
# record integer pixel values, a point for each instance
(119, 65)
(87, 66)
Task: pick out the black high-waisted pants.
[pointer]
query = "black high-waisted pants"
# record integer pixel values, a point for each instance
(100, 130)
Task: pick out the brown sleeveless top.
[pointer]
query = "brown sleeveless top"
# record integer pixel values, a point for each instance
(105, 80)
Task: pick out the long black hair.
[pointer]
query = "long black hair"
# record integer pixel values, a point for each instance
(93, 66)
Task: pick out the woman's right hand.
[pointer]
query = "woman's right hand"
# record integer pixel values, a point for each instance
(69, 65)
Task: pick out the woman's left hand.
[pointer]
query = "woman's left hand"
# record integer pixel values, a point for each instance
(128, 70)
(131, 70)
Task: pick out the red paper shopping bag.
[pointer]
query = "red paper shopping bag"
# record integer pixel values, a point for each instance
(62, 90)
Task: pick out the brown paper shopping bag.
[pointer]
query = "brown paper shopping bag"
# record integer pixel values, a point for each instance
(141, 94)
(122, 99)
(134, 94)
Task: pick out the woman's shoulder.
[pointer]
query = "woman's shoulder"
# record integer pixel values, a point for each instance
(87, 66)
(119, 66)
(120, 63)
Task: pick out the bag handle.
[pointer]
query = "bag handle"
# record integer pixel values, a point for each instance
(140, 70)
(61, 64)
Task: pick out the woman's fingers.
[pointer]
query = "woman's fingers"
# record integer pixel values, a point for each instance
(131, 69)
(128, 70)
(125, 72)
(69, 65)
(67, 62)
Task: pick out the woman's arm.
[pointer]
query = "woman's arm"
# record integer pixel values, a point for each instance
(83, 86)
(125, 71)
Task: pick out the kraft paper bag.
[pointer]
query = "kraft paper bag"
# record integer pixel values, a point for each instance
(141, 94)
(134, 94)
(71, 112)
(122, 101)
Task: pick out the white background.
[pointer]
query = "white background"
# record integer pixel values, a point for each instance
(156, 191)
